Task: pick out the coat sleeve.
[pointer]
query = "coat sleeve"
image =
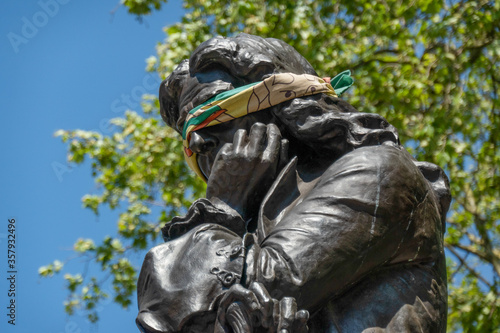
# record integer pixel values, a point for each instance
(371, 208)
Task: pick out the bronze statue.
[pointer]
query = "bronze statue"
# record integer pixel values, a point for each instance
(316, 218)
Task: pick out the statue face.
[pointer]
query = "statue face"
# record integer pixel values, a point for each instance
(207, 142)
(198, 88)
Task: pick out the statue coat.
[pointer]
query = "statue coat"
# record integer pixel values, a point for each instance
(360, 247)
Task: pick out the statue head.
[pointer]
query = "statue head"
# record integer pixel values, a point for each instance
(313, 124)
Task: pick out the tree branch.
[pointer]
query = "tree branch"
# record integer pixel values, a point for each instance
(367, 61)
(471, 250)
(155, 203)
(464, 263)
(480, 223)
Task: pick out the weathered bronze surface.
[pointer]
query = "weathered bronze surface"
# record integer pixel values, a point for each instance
(316, 218)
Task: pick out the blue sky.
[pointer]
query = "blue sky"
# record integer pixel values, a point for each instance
(63, 66)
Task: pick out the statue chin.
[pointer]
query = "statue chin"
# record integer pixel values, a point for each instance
(149, 323)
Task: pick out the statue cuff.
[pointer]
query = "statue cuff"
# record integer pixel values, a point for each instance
(204, 211)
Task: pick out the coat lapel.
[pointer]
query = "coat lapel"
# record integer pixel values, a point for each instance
(280, 196)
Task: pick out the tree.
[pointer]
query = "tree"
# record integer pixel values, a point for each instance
(429, 67)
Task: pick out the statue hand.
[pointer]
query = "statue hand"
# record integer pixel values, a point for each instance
(246, 309)
(244, 170)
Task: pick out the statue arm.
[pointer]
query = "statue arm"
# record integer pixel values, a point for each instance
(362, 214)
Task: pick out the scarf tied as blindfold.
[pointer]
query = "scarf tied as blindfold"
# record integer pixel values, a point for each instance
(254, 97)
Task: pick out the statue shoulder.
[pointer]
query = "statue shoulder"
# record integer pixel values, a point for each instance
(392, 170)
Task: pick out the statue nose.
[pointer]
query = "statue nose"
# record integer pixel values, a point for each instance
(202, 143)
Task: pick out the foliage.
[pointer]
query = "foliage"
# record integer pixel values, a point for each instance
(137, 167)
(428, 66)
(142, 7)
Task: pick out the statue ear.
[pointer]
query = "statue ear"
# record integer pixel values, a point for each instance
(150, 323)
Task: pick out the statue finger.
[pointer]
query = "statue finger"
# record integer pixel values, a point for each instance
(257, 138)
(240, 141)
(288, 309)
(283, 153)
(272, 151)
(237, 293)
(300, 323)
(225, 152)
(238, 319)
(266, 303)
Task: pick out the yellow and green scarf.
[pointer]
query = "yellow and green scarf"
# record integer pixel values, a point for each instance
(255, 97)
